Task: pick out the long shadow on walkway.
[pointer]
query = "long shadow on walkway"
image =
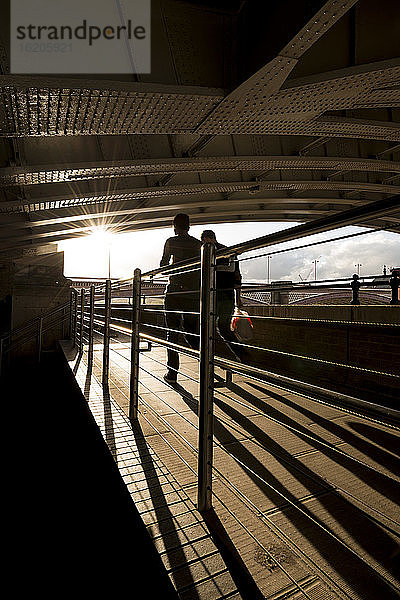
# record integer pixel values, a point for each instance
(88, 379)
(376, 542)
(379, 481)
(237, 568)
(163, 515)
(108, 421)
(379, 455)
(377, 436)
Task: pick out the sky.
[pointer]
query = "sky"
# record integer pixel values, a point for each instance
(88, 256)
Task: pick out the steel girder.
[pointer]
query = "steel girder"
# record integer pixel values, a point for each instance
(42, 174)
(43, 107)
(354, 106)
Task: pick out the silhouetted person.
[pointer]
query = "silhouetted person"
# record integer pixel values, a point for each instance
(228, 283)
(355, 286)
(183, 292)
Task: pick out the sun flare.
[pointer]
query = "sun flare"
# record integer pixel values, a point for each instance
(101, 236)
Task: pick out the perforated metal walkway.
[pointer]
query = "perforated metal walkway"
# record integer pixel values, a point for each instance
(305, 495)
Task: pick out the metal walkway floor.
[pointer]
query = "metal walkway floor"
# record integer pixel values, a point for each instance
(305, 495)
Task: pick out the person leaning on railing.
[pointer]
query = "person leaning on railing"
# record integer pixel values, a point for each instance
(183, 292)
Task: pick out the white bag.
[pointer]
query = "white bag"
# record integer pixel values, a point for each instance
(241, 325)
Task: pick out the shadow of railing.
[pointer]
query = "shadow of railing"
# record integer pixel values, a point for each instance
(88, 379)
(246, 585)
(382, 438)
(77, 363)
(381, 482)
(108, 421)
(164, 515)
(373, 539)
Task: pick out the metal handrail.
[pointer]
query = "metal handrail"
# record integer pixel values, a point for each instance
(206, 354)
(341, 283)
(267, 287)
(33, 321)
(341, 219)
(299, 386)
(306, 285)
(29, 331)
(27, 339)
(207, 361)
(344, 218)
(230, 365)
(100, 321)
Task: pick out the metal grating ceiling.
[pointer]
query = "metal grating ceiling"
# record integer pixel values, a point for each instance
(256, 107)
(251, 187)
(67, 110)
(46, 174)
(299, 109)
(270, 130)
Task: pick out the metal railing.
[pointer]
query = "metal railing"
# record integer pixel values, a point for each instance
(95, 315)
(120, 330)
(35, 331)
(287, 292)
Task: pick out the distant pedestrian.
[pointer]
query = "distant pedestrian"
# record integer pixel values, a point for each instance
(182, 298)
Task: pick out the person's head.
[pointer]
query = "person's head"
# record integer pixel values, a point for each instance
(208, 236)
(181, 223)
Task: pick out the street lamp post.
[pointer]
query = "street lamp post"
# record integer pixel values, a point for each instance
(315, 269)
(358, 267)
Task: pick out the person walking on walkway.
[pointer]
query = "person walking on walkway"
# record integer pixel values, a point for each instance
(182, 298)
(228, 284)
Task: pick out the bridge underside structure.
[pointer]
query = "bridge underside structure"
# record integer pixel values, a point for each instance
(252, 112)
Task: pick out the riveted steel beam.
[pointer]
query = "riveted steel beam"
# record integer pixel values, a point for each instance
(108, 216)
(157, 193)
(70, 172)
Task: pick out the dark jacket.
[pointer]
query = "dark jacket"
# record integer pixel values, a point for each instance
(182, 247)
(228, 273)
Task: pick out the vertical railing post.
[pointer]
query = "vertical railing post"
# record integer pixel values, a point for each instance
(206, 376)
(134, 378)
(91, 323)
(106, 339)
(75, 318)
(394, 284)
(82, 321)
(63, 313)
(39, 340)
(71, 316)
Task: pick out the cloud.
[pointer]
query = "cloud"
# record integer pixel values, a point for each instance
(335, 259)
(143, 249)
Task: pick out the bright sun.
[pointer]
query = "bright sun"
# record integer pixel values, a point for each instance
(91, 255)
(101, 236)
